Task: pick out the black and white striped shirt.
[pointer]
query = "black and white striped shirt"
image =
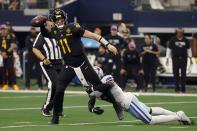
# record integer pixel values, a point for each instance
(48, 47)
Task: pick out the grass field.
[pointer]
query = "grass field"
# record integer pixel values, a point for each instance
(21, 112)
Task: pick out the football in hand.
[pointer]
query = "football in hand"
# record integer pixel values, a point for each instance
(38, 21)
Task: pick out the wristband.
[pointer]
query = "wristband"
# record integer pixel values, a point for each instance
(104, 41)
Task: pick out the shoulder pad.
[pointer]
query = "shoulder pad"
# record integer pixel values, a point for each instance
(77, 25)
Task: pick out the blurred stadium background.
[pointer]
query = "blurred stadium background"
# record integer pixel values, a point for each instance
(159, 18)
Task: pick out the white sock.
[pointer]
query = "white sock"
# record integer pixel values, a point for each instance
(161, 111)
(164, 118)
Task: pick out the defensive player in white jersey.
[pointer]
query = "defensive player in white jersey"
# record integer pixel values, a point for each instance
(131, 104)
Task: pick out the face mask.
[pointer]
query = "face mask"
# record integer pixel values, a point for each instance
(59, 26)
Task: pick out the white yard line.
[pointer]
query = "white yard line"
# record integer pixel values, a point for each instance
(21, 97)
(194, 117)
(23, 122)
(169, 103)
(71, 107)
(84, 93)
(72, 124)
(179, 127)
(82, 124)
(39, 108)
(124, 125)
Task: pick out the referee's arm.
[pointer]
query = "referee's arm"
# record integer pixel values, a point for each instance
(36, 50)
(38, 54)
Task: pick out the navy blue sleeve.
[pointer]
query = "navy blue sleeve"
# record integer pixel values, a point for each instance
(78, 30)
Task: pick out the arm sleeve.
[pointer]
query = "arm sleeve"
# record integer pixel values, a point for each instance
(168, 53)
(155, 48)
(138, 60)
(78, 30)
(189, 52)
(188, 44)
(124, 60)
(123, 43)
(170, 43)
(169, 49)
(27, 43)
(141, 49)
(38, 43)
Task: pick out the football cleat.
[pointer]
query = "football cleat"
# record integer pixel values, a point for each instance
(46, 112)
(54, 120)
(184, 118)
(119, 111)
(61, 114)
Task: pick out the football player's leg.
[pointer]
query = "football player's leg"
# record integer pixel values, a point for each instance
(142, 112)
(118, 94)
(89, 74)
(139, 110)
(64, 78)
(161, 111)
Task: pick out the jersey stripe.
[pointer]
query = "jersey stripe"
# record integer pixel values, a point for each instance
(50, 47)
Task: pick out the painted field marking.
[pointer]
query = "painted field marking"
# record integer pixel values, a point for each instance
(84, 93)
(23, 122)
(179, 127)
(39, 96)
(72, 124)
(71, 107)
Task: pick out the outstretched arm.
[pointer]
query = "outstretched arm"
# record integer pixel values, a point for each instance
(102, 40)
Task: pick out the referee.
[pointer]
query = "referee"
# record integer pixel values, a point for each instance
(179, 49)
(49, 54)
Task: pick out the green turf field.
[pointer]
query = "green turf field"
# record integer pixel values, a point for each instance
(21, 112)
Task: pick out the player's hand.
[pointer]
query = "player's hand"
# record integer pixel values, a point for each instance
(97, 110)
(123, 72)
(112, 49)
(46, 62)
(4, 54)
(49, 25)
(167, 62)
(141, 72)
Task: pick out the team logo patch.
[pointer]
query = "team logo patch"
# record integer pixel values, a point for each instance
(77, 25)
(68, 30)
(180, 44)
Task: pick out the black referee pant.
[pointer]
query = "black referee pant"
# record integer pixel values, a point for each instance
(84, 72)
(179, 63)
(51, 73)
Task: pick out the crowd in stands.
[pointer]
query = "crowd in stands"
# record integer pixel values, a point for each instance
(11, 5)
(129, 64)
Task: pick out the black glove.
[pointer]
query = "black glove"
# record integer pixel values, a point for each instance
(97, 110)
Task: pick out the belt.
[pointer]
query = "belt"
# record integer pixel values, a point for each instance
(56, 62)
